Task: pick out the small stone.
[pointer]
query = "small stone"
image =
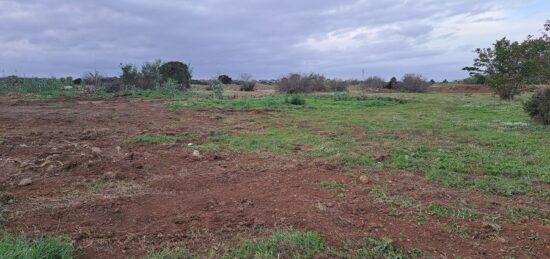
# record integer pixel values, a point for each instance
(364, 179)
(96, 151)
(25, 182)
(197, 154)
(109, 176)
(190, 144)
(68, 87)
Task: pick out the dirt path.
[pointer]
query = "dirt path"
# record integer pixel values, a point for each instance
(126, 199)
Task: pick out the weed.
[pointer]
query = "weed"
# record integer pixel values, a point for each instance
(281, 244)
(330, 185)
(295, 100)
(386, 249)
(12, 247)
(167, 253)
(152, 139)
(448, 212)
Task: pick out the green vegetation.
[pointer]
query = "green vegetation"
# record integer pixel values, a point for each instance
(330, 185)
(385, 248)
(475, 143)
(281, 243)
(167, 253)
(448, 212)
(41, 87)
(12, 247)
(164, 139)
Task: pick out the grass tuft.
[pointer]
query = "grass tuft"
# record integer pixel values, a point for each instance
(12, 247)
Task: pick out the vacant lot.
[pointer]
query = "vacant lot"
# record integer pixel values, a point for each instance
(440, 174)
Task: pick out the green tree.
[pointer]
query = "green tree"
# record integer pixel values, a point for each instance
(177, 71)
(129, 75)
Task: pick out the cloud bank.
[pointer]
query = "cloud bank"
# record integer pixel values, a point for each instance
(266, 38)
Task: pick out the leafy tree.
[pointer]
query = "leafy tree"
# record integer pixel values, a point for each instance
(509, 65)
(177, 71)
(225, 79)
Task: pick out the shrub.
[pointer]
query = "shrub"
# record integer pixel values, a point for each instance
(129, 75)
(225, 79)
(217, 89)
(538, 107)
(393, 84)
(92, 78)
(298, 83)
(336, 85)
(375, 82)
(247, 84)
(295, 100)
(150, 75)
(77, 81)
(177, 71)
(414, 83)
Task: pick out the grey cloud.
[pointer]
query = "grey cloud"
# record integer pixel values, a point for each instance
(265, 38)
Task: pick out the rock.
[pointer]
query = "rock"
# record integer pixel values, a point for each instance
(109, 176)
(364, 179)
(25, 182)
(321, 207)
(96, 151)
(129, 156)
(197, 154)
(68, 87)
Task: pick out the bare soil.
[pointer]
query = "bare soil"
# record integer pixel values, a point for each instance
(129, 198)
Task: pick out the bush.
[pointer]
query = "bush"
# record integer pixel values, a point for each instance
(150, 75)
(129, 75)
(298, 83)
(225, 79)
(375, 82)
(177, 71)
(77, 81)
(217, 89)
(415, 83)
(295, 100)
(92, 78)
(247, 84)
(336, 85)
(393, 84)
(538, 107)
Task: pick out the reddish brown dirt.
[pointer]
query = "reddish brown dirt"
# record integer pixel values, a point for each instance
(159, 195)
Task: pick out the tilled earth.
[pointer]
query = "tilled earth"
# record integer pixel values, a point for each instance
(118, 199)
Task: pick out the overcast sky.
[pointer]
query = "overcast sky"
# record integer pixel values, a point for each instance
(267, 38)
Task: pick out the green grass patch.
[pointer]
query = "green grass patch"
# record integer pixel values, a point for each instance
(385, 248)
(448, 212)
(12, 247)
(152, 139)
(330, 185)
(167, 253)
(281, 244)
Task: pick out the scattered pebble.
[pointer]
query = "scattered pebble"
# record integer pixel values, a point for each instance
(25, 182)
(197, 154)
(96, 151)
(109, 176)
(364, 179)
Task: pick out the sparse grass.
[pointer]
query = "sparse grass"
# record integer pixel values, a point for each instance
(385, 248)
(162, 139)
(330, 185)
(152, 139)
(12, 247)
(281, 244)
(167, 253)
(475, 143)
(448, 212)
(392, 200)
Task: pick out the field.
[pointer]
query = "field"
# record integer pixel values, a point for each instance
(446, 174)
